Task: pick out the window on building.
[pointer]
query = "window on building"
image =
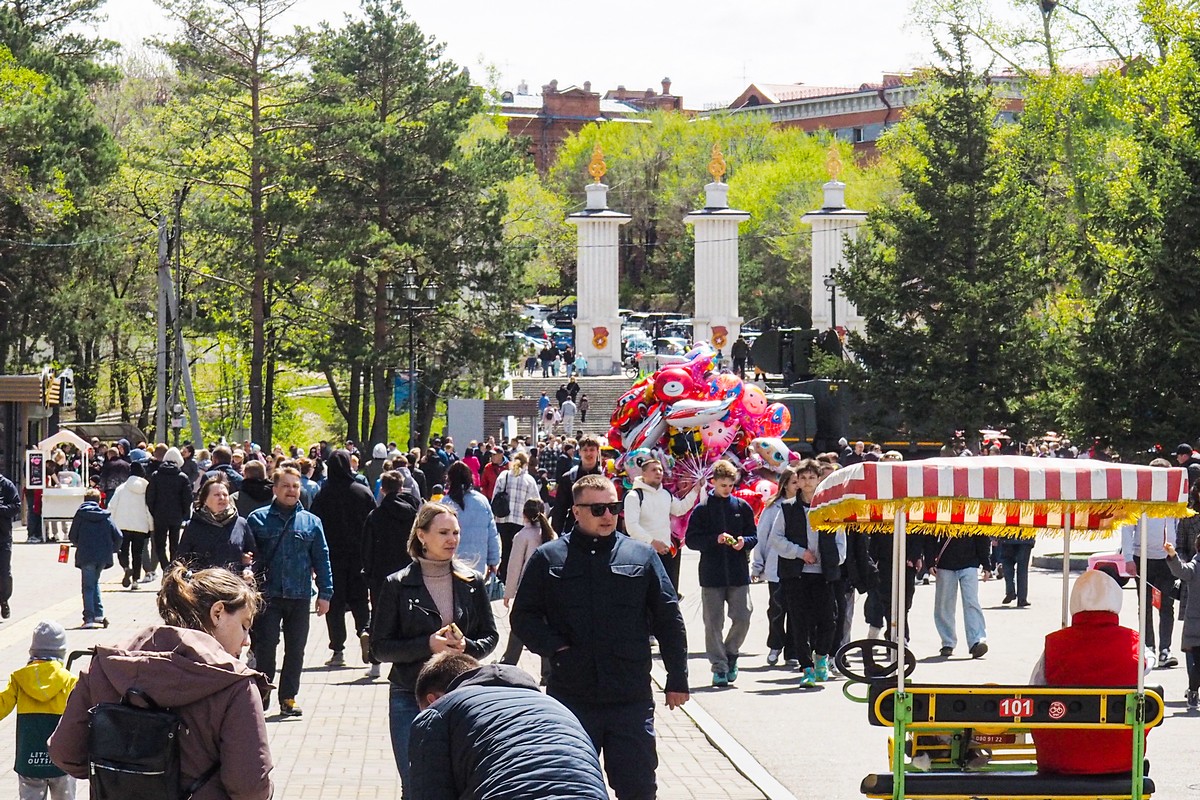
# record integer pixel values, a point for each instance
(856, 136)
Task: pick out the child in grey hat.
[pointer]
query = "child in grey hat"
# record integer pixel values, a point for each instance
(39, 692)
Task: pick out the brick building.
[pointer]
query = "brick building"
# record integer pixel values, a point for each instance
(547, 118)
(857, 115)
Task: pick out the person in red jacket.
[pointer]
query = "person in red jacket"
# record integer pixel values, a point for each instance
(1094, 650)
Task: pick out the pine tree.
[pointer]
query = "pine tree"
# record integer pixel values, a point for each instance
(944, 278)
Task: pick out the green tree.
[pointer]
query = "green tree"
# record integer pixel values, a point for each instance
(943, 278)
(408, 178)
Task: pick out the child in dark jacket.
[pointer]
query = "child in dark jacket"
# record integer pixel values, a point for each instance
(39, 692)
(96, 538)
(724, 532)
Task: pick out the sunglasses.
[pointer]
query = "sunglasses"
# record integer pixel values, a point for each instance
(598, 509)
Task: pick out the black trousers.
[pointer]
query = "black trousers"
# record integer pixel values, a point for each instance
(778, 636)
(811, 615)
(882, 601)
(164, 534)
(623, 734)
(6, 578)
(130, 556)
(508, 532)
(671, 565)
(349, 594)
(290, 617)
(1158, 575)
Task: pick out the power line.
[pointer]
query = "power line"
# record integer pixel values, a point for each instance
(79, 242)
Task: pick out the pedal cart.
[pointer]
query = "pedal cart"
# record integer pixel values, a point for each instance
(947, 726)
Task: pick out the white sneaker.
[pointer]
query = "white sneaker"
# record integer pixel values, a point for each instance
(149, 576)
(374, 671)
(773, 657)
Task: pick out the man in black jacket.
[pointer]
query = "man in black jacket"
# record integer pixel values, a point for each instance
(169, 498)
(590, 601)
(723, 531)
(956, 562)
(477, 728)
(589, 464)
(343, 506)
(385, 540)
(10, 511)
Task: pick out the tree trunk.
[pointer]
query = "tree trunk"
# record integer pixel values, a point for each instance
(259, 413)
(379, 425)
(355, 392)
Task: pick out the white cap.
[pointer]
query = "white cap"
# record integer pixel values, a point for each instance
(1095, 591)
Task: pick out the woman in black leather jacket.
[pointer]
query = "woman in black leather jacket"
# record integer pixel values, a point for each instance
(434, 605)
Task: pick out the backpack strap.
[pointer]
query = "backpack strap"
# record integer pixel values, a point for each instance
(204, 778)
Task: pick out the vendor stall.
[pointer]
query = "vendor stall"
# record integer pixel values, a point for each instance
(62, 500)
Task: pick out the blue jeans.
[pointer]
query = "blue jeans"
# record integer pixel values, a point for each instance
(93, 609)
(402, 710)
(950, 582)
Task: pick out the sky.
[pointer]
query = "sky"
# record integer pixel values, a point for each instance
(710, 50)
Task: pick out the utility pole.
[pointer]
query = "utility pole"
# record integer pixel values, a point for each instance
(164, 289)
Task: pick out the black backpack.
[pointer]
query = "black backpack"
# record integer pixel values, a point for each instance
(133, 751)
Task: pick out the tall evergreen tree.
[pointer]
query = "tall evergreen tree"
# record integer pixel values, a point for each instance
(944, 278)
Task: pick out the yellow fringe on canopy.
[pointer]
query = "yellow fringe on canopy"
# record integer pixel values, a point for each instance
(875, 516)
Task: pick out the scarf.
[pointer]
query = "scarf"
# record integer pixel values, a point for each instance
(221, 521)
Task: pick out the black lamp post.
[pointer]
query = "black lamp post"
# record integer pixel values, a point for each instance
(831, 285)
(411, 290)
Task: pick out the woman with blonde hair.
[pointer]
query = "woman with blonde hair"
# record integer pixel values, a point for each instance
(519, 487)
(434, 605)
(192, 665)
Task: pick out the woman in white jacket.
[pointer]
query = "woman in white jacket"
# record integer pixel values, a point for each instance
(132, 516)
(766, 567)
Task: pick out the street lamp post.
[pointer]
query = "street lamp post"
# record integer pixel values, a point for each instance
(411, 291)
(831, 285)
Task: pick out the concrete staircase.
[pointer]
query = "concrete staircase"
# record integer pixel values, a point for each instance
(603, 393)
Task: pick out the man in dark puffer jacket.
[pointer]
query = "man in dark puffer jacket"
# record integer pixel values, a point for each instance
(488, 733)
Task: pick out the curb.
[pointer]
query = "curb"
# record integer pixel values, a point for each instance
(1054, 563)
(738, 756)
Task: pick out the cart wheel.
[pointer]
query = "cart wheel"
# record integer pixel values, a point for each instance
(876, 665)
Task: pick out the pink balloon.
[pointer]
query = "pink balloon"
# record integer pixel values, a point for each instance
(753, 401)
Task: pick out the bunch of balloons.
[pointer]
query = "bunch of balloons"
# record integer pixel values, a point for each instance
(688, 416)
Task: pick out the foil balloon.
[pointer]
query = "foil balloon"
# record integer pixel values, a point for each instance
(648, 432)
(694, 413)
(753, 402)
(776, 421)
(752, 498)
(773, 452)
(628, 404)
(633, 462)
(699, 361)
(725, 386)
(614, 438)
(717, 436)
(673, 383)
(766, 489)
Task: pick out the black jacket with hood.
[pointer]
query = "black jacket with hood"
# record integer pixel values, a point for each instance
(343, 506)
(169, 496)
(255, 493)
(385, 538)
(495, 735)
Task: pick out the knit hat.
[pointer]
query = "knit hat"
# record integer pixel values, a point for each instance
(1095, 591)
(49, 641)
(173, 456)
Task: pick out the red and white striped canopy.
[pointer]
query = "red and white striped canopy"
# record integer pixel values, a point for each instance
(999, 496)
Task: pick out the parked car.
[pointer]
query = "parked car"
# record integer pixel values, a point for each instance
(562, 337)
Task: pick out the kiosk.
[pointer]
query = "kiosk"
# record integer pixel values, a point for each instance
(59, 503)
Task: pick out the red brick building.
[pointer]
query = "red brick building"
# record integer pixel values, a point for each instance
(857, 115)
(547, 118)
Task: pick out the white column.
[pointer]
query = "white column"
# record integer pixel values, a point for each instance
(833, 226)
(716, 319)
(597, 323)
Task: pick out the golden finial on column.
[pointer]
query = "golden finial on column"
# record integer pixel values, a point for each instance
(833, 164)
(717, 166)
(597, 167)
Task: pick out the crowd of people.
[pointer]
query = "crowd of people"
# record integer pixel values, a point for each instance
(416, 546)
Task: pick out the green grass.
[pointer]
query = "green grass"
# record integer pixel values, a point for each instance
(317, 418)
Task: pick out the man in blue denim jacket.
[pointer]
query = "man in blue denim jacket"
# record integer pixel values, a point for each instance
(289, 548)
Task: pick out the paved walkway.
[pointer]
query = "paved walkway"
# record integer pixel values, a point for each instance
(339, 749)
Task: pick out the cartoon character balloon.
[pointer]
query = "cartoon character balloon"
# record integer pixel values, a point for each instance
(717, 436)
(673, 383)
(773, 452)
(776, 421)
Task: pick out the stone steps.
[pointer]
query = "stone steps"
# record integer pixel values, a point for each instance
(602, 391)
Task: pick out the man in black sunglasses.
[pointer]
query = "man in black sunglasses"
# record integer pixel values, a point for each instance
(590, 600)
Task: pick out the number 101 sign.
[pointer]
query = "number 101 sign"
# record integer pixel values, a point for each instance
(1016, 707)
